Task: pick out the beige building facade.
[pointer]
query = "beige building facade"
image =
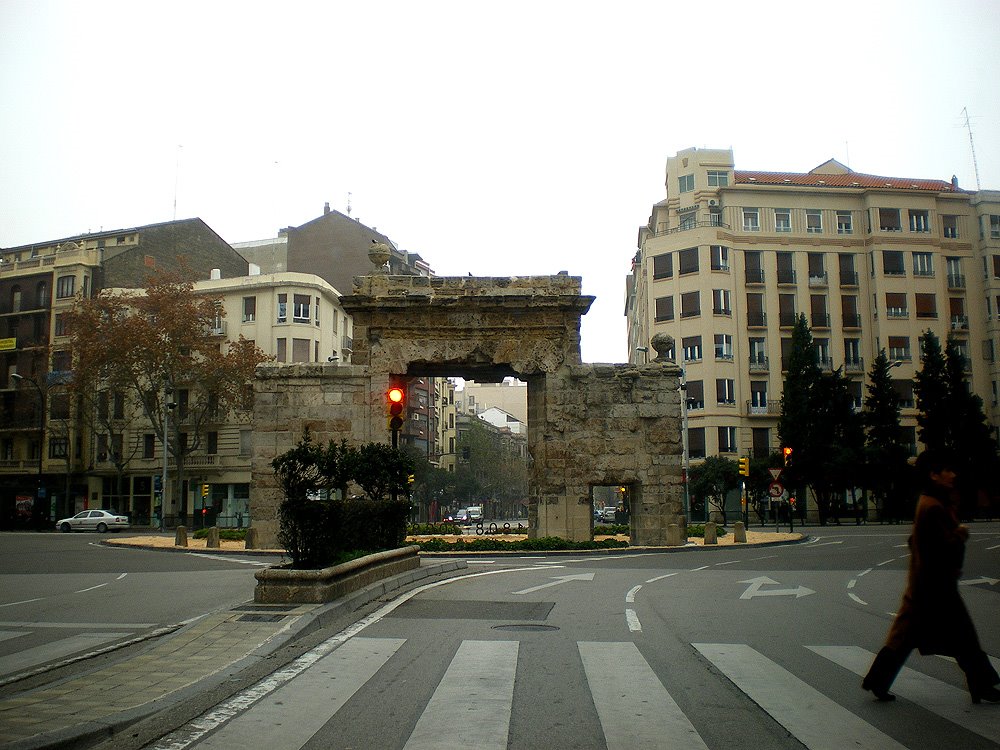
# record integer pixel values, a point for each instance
(729, 258)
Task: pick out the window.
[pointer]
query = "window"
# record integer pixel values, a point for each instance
(786, 309)
(899, 348)
(751, 220)
(994, 227)
(249, 309)
(817, 269)
(60, 325)
(42, 294)
(664, 308)
(996, 266)
(845, 222)
(755, 310)
(282, 308)
(688, 220)
(725, 391)
(758, 351)
(663, 266)
(892, 263)
(688, 261)
(820, 318)
(950, 226)
(65, 286)
(183, 401)
(814, 221)
(758, 397)
(849, 307)
(58, 447)
(62, 361)
(720, 258)
(696, 442)
(956, 280)
(246, 442)
(692, 348)
(717, 179)
(281, 351)
(723, 346)
(300, 350)
(695, 394)
(148, 445)
(782, 220)
(852, 352)
(685, 183)
(212, 443)
(822, 348)
(316, 319)
(848, 274)
(786, 268)
(895, 305)
(59, 406)
(923, 264)
(926, 305)
(754, 272)
(15, 299)
(727, 440)
(919, 221)
(888, 220)
(721, 302)
(690, 304)
(300, 308)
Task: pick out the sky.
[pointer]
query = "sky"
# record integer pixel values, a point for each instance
(497, 139)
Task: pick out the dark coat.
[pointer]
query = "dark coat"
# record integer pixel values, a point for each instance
(932, 616)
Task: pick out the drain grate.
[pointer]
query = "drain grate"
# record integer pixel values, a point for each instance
(261, 618)
(526, 627)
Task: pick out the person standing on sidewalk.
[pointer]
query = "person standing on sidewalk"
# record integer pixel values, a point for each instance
(932, 616)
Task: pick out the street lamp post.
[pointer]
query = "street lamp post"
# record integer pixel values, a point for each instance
(36, 510)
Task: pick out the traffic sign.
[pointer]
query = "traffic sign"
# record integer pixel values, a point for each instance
(775, 473)
(775, 489)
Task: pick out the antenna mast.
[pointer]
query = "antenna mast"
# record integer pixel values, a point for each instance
(972, 145)
(348, 204)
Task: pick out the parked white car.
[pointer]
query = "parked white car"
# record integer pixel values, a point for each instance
(94, 520)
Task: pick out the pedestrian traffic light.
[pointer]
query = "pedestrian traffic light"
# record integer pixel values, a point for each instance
(787, 452)
(396, 402)
(744, 467)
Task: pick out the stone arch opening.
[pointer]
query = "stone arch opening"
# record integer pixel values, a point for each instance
(587, 424)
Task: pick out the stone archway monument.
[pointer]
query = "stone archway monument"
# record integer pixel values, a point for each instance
(588, 425)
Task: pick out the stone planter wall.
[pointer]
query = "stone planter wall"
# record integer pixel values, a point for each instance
(287, 586)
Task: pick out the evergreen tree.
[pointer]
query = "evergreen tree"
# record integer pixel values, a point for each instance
(930, 386)
(885, 467)
(796, 422)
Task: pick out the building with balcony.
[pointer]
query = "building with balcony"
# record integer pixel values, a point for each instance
(729, 259)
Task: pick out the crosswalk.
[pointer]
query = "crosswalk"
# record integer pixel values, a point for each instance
(472, 704)
(21, 658)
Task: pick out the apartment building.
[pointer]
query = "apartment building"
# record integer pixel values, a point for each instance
(510, 395)
(45, 456)
(729, 258)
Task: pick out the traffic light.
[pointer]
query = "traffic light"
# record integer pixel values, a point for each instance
(787, 452)
(744, 467)
(204, 491)
(396, 402)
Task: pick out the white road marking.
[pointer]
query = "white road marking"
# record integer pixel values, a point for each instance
(865, 572)
(632, 704)
(660, 578)
(479, 687)
(84, 591)
(630, 596)
(6, 635)
(729, 562)
(852, 583)
(858, 599)
(753, 589)
(258, 563)
(558, 580)
(695, 570)
(633, 621)
(815, 720)
(939, 697)
(31, 657)
(23, 601)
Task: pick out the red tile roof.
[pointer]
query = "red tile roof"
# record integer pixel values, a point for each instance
(851, 179)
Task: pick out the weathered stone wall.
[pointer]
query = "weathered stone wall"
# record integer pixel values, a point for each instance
(587, 424)
(605, 425)
(330, 401)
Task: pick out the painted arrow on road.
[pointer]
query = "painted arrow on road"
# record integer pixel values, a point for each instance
(756, 583)
(981, 579)
(557, 581)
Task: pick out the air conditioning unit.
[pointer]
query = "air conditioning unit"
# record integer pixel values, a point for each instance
(713, 203)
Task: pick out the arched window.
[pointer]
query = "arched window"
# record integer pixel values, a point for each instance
(42, 294)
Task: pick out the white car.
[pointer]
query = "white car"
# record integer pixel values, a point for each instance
(94, 520)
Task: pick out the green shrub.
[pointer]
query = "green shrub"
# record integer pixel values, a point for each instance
(616, 528)
(232, 535)
(697, 529)
(415, 529)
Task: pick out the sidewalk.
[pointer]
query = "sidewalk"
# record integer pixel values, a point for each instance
(199, 655)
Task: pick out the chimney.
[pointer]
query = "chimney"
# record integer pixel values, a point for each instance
(954, 182)
(326, 208)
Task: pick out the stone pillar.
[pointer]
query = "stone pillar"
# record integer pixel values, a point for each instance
(251, 540)
(181, 537)
(711, 536)
(212, 542)
(739, 533)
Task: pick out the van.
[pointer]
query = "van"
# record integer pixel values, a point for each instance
(475, 513)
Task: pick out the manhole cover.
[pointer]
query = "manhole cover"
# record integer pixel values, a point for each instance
(261, 618)
(525, 627)
(266, 607)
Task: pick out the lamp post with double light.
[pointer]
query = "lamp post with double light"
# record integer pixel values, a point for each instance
(36, 509)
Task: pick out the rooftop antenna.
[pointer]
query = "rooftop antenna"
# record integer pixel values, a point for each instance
(972, 145)
(348, 204)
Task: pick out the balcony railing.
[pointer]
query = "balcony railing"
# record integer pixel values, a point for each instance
(851, 320)
(854, 365)
(956, 281)
(765, 409)
(848, 278)
(692, 225)
(787, 319)
(758, 364)
(959, 323)
(757, 320)
(819, 279)
(821, 320)
(786, 276)
(754, 275)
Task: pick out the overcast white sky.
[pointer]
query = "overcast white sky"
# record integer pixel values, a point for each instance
(493, 138)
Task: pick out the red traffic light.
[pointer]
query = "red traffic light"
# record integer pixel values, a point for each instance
(396, 397)
(787, 452)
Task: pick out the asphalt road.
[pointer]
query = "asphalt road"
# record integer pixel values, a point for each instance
(65, 595)
(715, 648)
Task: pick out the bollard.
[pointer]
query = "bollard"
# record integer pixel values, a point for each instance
(674, 535)
(213, 538)
(251, 541)
(710, 535)
(739, 533)
(181, 540)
